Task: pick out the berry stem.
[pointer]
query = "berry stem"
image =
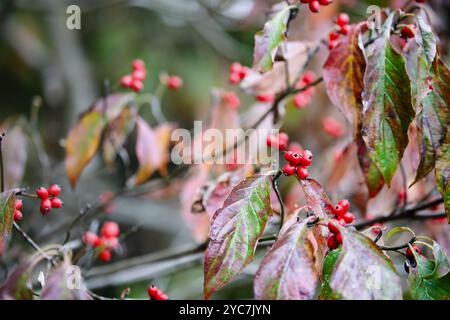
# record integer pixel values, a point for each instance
(277, 193)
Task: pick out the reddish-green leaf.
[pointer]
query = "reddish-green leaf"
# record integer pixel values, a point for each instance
(112, 105)
(387, 104)
(363, 271)
(442, 172)
(235, 230)
(7, 208)
(269, 39)
(82, 143)
(316, 198)
(288, 270)
(372, 175)
(16, 286)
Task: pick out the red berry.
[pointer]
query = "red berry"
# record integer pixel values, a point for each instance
(110, 229)
(339, 238)
(139, 74)
(337, 210)
(295, 159)
(325, 2)
(90, 238)
(283, 140)
(333, 228)
(288, 155)
(136, 85)
(306, 159)
(54, 190)
(105, 255)
(333, 36)
(333, 127)
(156, 294)
(56, 203)
(342, 222)
(345, 29)
(174, 82)
(314, 6)
(234, 78)
(301, 100)
(408, 31)
(243, 72)
(308, 77)
(409, 252)
(348, 217)
(266, 97)
(345, 204)
(18, 204)
(46, 206)
(138, 64)
(17, 215)
(332, 243)
(110, 243)
(305, 1)
(288, 169)
(42, 193)
(126, 81)
(235, 67)
(231, 99)
(332, 44)
(342, 19)
(302, 172)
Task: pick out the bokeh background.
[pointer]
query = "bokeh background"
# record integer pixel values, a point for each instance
(64, 72)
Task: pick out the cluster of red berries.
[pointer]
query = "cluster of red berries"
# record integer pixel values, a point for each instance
(156, 294)
(231, 100)
(49, 198)
(134, 81)
(342, 21)
(408, 31)
(107, 241)
(333, 127)
(342, 217)
(314, 5)
(298, 162)
(173, 82)
(237, 73)
(302, 99)
(279, 141)
(17, 213)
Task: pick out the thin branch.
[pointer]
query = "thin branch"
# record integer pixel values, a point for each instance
(30, 241)
(277, 192)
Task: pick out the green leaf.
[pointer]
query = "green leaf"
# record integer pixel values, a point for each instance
(15, 286)
(268, 39)
(326, 292)
(436, 289)
(235, 230)
(7, 208)
(363, 271)
(442, 172)
(425, 38)
(288, 270)
(387, 104)
(372, 175)
(82, 143)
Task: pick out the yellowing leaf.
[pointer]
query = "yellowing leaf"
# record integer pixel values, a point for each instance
(7, 208)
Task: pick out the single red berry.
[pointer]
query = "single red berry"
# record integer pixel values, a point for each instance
(56, 203)
(234, 78)
(409, 252)
(332, 243)
(235, 67)
(325, 2)
(138, 64)
(295, 159)
(348, 217)
(105, 255)
(333, 36)
(126, 81)
(54, 190)
(156, 294)
(345, 204)
(345, 29)
(333, 127)
(333, 228)
(231, 100)
(137, 85)
(17, 215)
(46, 206)
(110, 243)
(18, 204)
(283, 140)
(92, 239)
(339, 238)
(42, 193)
(243, 72)
(337, 210)
(288, 169)
(314, 6)
(174, 82)
(301, 100)
(110, 229)
(342, 19)
(139, 74)
(302, 172)
(308, 77)
(408, 31)
(307, 158)
(288, 155)
(266, 97)
(332, 44)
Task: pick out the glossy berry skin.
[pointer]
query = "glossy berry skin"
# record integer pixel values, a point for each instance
(314, 6)
(18, 204)
(289, 170)
(345, 29)
(17, 215)
(42, 193)
(90, 238)
(138, 64)
(54, 190)
(295, 159)
(126, 81)
(46, 206)
(234, 78)
(332, 243)
(345, 204)
(302, 172)
(348, 217)
(235, 67)
(339, 238)
(283, 140)
(333, 228)
(342, 19)
(325, 2)
(156, 294)
(307, 157)
(408, 31)
(110, 229)
(136, 85)
(333, 36)
(332, 44)
(56, 203)
(139, 75)
(338, 210)
(105, 255)
(174, 82)
(288, 156)
(409, 252)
